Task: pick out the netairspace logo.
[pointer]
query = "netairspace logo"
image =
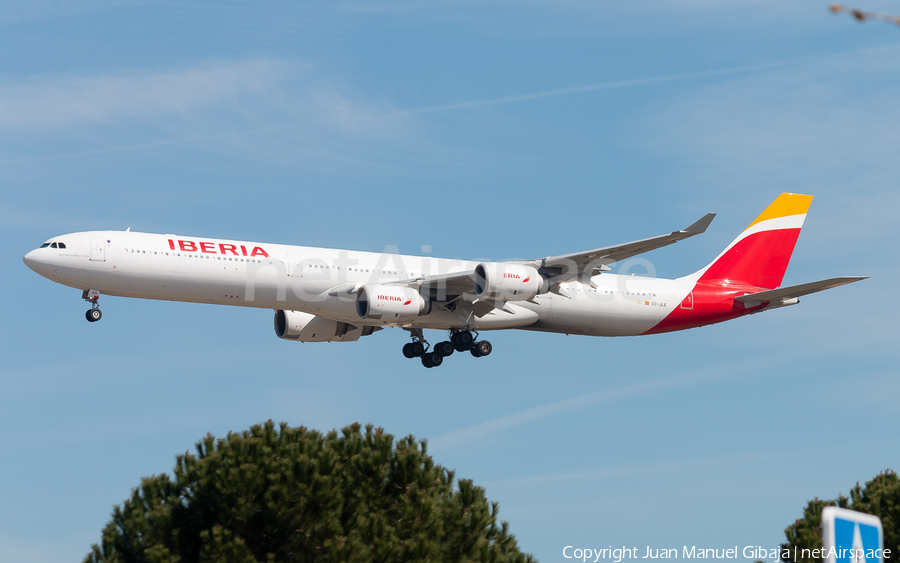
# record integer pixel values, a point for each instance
(857, 554)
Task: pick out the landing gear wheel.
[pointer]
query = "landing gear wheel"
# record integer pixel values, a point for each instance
(416, 348)
(444, 348)
(484, 348)
(474, 351)
(407, 350)
(462, 340)
(92, 296)
(432, 360)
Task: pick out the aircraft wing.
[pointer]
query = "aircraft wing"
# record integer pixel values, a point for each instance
(572, 266)
(785, 293)
(565, 267)
(446, 286)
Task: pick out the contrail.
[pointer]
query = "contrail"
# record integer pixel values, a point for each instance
(624, 83)
(477, 431)
(588, 88)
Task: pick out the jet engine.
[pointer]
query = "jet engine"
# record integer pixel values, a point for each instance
(389, 304)
(509, 282)
(304, 327)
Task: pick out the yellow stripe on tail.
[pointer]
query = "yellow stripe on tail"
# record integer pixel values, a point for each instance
(784, 206)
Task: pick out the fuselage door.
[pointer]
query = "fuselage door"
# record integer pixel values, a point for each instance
(98, 249)
(293, 265)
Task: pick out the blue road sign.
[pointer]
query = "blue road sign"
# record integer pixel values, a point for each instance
(851, 537)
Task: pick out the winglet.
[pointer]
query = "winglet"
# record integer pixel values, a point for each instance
(700, 225)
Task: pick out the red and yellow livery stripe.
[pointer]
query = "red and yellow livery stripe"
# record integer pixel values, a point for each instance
(756, 260)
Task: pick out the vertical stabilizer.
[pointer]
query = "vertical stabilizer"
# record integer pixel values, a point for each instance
(759, 256)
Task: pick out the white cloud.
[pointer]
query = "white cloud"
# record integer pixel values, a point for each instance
(48, 102)
(828, 128)
(826, 120)
(267, 109)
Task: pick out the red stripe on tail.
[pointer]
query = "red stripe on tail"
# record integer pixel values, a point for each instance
(759, 260)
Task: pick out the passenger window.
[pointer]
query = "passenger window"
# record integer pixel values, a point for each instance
(53, 245)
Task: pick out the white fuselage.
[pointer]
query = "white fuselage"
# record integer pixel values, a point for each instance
(298, 278)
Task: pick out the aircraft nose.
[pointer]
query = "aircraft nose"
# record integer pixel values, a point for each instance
(30, 259)
(36, 261)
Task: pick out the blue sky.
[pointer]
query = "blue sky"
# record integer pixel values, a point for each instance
(484, 129)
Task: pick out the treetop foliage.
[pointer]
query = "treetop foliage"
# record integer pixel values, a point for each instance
(880, 496)
(282, 494)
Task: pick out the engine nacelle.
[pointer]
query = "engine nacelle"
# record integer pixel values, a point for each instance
(508, 282)
(304, 327)
(389, 304)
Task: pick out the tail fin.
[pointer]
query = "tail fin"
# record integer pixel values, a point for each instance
(760, 255)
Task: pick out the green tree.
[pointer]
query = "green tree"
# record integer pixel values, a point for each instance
(282, 494)
(880, 496)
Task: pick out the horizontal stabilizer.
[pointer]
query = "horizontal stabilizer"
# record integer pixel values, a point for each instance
(794, 291)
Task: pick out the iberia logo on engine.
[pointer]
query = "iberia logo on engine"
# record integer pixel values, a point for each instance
(394, 298)
(510, 276)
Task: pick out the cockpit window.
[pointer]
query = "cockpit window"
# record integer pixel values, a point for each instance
(45, 245)
(53, 245)
(62, 245)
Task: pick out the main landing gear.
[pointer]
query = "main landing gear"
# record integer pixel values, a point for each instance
(419, 348)
(463, 340)
(92, 296)
(460, 341)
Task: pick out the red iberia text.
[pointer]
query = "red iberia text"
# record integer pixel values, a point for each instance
(217, 248)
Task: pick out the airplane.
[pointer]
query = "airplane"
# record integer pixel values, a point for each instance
(333, 295)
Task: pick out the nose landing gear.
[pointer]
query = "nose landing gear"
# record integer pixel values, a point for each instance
(92, 296)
